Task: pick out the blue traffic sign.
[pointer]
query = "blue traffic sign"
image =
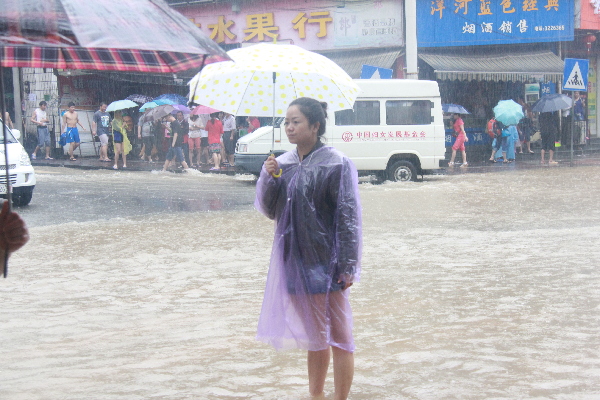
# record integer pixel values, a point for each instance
(575, 75)
(372, 72)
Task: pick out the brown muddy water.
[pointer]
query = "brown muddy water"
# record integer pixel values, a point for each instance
(475, 286)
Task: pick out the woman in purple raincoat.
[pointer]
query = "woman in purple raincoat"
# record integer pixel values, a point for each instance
(316, 249)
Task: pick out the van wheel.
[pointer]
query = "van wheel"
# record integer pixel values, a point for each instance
(22, 196)
(402, 171)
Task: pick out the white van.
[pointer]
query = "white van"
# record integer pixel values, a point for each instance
(395, 131)
(22, 176)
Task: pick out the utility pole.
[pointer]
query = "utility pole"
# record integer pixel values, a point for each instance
(18, 122)
(410, 26)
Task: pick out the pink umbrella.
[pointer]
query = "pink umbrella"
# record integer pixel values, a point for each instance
(199, 110)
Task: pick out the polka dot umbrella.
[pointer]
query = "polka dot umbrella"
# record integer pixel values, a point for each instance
(262, 80)
(265, 78)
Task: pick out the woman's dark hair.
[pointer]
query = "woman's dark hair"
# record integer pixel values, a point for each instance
(314, 110)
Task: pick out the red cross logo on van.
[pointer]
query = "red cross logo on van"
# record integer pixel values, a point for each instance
(347, 136)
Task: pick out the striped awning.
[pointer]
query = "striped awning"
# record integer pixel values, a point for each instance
(540, 65)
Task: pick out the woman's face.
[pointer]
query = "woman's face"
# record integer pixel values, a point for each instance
(297, 128)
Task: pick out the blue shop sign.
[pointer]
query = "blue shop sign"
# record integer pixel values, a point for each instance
(481, 22)
(547, 88)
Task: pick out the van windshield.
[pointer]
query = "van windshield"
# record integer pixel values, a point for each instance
(9, 137)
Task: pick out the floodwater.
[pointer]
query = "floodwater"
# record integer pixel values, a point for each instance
(475, 286)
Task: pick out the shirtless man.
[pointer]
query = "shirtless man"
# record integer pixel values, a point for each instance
(69, 125)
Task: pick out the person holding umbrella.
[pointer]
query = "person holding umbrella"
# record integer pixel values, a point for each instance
(459, 143)
(548, 130)
(312, 194)
(121, 142)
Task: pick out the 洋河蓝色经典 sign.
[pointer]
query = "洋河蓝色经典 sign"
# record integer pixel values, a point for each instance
(480, 22)
(575, 75)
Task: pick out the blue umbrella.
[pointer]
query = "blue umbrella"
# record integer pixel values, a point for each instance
(175, 98)
(552, 102)
(508, 112)
(454, 109)
(162, 102)
(120, 105)
(148, 106)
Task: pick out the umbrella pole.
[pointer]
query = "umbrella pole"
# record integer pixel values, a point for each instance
(277, 175)
(6, 165)
(273, 124)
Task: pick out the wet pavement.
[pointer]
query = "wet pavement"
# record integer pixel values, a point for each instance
(133, 164)
(522, 161)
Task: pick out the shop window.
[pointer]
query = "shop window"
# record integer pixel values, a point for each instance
(363, 113)
(408, 112)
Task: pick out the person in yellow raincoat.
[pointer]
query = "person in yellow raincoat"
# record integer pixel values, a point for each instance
(121, 144)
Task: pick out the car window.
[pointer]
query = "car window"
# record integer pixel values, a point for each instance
(365, 112)
(9, 137)
(408, 112)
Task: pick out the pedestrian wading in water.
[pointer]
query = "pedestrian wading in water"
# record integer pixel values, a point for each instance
(316, 250)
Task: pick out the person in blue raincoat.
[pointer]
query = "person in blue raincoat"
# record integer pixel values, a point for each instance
(312, 194)
(512, 136)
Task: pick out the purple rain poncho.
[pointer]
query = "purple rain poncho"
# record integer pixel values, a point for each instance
(318, 241)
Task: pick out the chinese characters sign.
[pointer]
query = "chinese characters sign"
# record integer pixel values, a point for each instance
(385, 136)
(479, 22)
(376, 24)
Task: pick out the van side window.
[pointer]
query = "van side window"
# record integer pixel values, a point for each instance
(364, 113)
(408, 112)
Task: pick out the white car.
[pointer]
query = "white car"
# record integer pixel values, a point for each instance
(22, 176)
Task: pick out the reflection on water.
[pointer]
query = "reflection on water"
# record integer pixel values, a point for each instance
(474, 286)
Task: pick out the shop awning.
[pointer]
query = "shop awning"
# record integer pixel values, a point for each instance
(543, 65)
(352, 61)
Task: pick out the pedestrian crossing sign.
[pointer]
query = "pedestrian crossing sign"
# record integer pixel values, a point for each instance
(575, 75)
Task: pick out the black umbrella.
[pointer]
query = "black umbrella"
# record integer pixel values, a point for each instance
(139, 98)
(132, 35)
(552, 102)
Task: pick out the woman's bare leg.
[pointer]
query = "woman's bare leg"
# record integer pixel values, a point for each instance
(117, 153)
(343, 372)
(318, 363)
(453, 157)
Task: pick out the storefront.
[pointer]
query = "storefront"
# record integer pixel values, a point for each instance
(585, 46)
(350, 33)
(481, 52)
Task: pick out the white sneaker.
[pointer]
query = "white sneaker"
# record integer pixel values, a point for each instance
(451, 164)
(33, 157)
(465, 164)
